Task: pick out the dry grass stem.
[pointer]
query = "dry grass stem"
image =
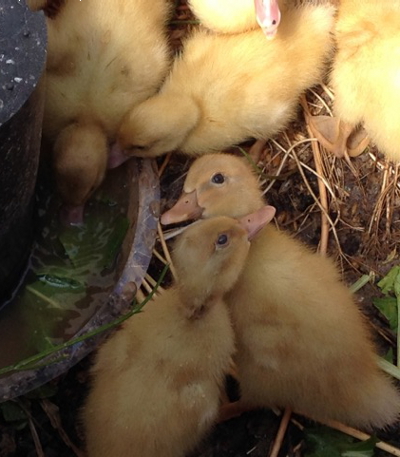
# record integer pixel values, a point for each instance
(328, 91)
(323, 103)
(32, 429)
(172, 233)
(389, 368)
(281, 165)
(166, 250)
(319, 204)
(164, 165)
(323, 245)
(53, 413)
(153, 283)
(159, 256)
(146, 286)
(35, 437)
(281, 433)
(140, 296)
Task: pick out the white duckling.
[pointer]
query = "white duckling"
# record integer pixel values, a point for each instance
(224, 89)
(157, 381)
(103, 58)
(302, 342)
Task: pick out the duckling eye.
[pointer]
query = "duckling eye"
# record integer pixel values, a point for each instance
(222, 240)
(218, 178)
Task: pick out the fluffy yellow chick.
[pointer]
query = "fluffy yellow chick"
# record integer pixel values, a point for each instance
(103, 58)
(157, 381)
(366, 77)
(233, 16)
(224, 89)
(301, 340)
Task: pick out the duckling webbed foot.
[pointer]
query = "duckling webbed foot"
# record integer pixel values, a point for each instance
(357, 142)
(337, 136)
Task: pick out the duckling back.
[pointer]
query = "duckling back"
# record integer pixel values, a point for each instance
(302, 342)
(103, 57)
(224, 89)
(366, 71)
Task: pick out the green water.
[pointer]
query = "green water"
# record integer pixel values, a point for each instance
(71, 272)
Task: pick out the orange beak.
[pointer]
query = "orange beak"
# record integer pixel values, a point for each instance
(185, 208)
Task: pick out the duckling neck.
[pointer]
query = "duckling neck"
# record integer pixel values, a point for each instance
(196, 303)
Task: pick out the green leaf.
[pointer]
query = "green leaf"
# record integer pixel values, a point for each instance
(325, 442)
(45, 308)
(136, 308)
(391, 282)
(43, 294)
(389, 356)
(115, 241)
(95, 244)
(318, 447)
(362, 448)
(388, 307)
(12, 412)
(61, 282)
(45, 391)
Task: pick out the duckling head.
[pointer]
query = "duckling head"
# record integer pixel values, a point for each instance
(156, 126)
(216, 185)
(210, 255)
(79, 161)
(268, 16)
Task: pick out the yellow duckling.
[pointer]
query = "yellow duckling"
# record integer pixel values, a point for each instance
(234, 16)
(224, 89)
(157, 381)
(365, 79)
(103, 58)
(301, 340)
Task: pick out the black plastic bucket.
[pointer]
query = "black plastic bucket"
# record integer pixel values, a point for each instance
(22, 60)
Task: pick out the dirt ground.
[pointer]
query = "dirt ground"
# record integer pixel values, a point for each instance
(363, 235)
